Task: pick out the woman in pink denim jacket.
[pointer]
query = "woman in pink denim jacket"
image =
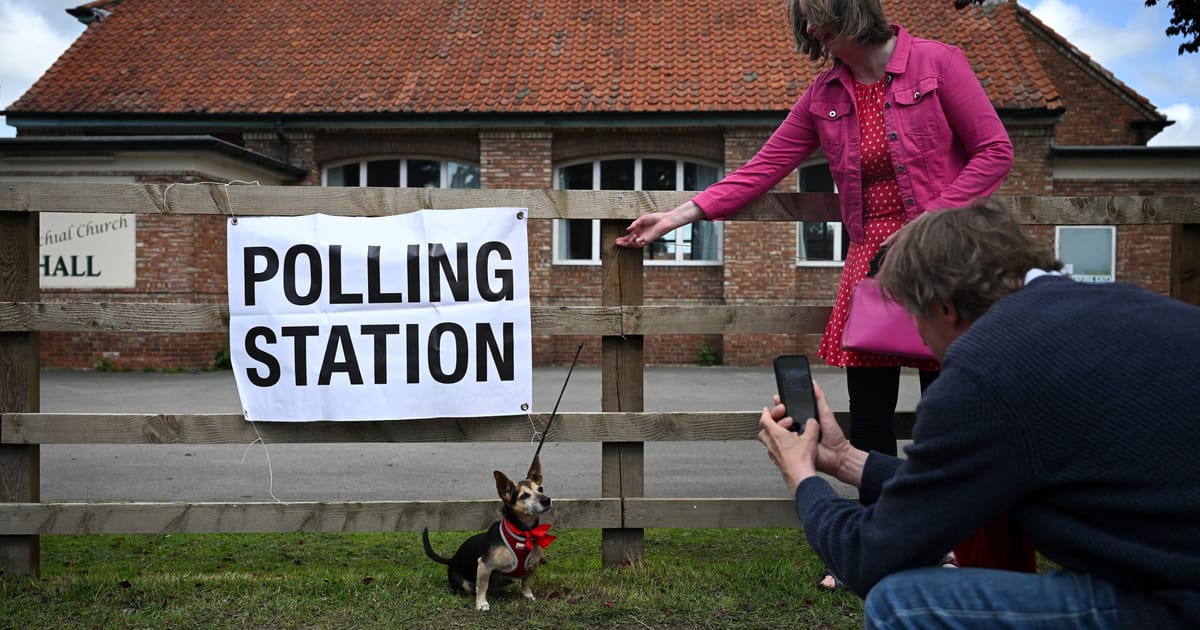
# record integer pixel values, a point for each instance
(946, 142)
(906, 128)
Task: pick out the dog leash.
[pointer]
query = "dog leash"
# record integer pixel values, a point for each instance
(574, 360)
(550, 422)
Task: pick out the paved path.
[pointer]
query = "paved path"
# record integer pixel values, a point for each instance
(426, 471)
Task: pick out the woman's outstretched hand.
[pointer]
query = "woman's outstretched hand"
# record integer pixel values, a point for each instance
(650, 227)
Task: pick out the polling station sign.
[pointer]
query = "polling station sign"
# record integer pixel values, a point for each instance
(418, 315)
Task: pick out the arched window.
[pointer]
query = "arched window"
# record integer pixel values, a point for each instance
(402, 173)
(577, 241)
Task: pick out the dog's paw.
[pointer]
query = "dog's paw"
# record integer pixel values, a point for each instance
(483, 606)
(530, 597)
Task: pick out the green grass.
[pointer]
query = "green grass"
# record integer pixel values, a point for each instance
(749, 578)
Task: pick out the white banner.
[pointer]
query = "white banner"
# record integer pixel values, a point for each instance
(420, 315)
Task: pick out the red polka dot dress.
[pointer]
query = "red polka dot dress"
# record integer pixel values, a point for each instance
(883, 215)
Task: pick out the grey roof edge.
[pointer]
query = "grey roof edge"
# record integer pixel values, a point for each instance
(1173, 152)
(40, 122)
(44, 122)
(65, 145)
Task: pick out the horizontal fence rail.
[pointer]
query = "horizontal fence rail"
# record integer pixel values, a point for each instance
(620, 319)
(375, 516)
(547, 320)
(249, 200)
(293, 516)
(610, 426)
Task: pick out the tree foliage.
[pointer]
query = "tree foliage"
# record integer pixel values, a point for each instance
(1185, 21)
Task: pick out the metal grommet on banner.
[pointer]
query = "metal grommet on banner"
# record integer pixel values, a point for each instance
(520, 216)
(229, 200)
(229, 203)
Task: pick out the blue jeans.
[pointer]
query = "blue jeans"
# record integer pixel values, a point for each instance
(984, 598)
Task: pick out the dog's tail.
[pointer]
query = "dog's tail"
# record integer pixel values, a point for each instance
(429, 549)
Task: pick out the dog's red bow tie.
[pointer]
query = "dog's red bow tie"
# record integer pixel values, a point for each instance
(536, 536)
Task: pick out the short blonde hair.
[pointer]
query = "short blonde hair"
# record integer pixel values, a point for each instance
(972, 256)
(860, 20)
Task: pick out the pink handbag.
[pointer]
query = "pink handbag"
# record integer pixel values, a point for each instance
(876, 323)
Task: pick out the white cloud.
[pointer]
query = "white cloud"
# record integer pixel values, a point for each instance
(1129, 41)
(33, 33)
(1185, 131)
(29, 44)
(1105, 39)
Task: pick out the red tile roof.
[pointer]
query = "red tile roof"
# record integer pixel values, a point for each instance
(516, 56)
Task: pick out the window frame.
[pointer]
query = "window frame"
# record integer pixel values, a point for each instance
(838, 235)
(443, 168)
(680, 165)
(1112, 251)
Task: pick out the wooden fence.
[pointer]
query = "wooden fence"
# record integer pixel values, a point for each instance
(621, 319)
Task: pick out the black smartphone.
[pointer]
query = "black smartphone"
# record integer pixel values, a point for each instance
(793, 377)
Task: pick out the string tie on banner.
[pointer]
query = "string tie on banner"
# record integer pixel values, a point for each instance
(267, 452)
(166, 204)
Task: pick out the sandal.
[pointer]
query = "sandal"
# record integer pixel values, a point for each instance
(830, 582)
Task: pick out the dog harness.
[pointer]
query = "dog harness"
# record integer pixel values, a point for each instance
(521, 544)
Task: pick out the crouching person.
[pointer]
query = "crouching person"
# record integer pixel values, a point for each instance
(1074, 408)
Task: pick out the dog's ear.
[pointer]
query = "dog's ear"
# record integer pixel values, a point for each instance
(535, 471)
(504, 486)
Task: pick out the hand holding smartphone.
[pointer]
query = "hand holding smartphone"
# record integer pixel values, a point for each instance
(793, 378)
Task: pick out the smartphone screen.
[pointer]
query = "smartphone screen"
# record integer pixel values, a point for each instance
(794, 380)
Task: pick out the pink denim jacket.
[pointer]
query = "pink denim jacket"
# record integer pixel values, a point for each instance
(947, 142)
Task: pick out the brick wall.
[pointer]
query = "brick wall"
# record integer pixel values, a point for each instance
(336, 147)
(697, 287)
(521, 160)
(1143, 251)
(1092, 104)
(760, 262)
(706, 145)
(515, 159)
(1137, 188)
(1032, 169)
(299, 150)
(182, 258)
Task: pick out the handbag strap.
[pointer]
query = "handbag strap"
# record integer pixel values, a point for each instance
(877, 261)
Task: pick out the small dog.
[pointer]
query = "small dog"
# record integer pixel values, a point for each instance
(511, 547)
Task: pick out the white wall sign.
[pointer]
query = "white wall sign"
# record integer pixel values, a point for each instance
(87, 251)
(420, 315)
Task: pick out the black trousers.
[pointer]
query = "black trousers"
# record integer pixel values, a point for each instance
(873, 394)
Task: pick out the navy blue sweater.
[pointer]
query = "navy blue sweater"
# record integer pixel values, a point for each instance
(1075, 408)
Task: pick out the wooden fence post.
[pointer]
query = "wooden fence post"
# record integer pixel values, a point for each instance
(20, 480)
(622, 469)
